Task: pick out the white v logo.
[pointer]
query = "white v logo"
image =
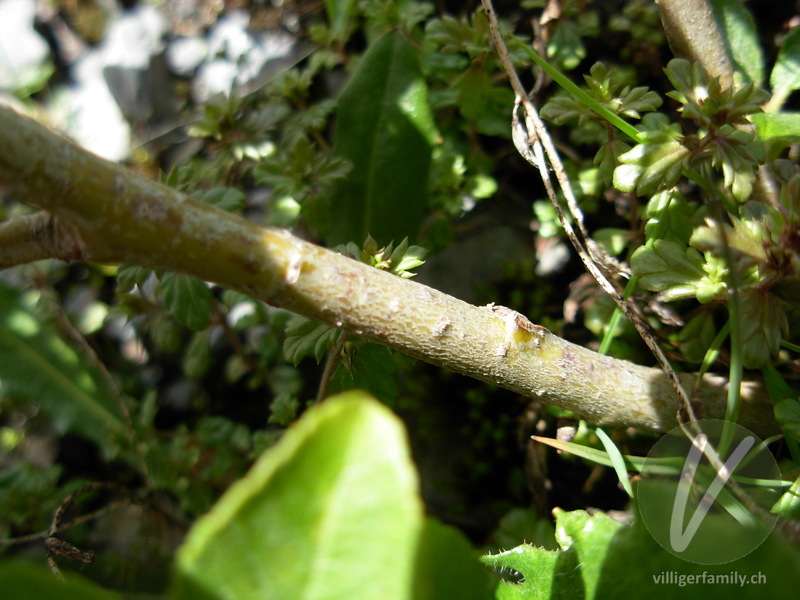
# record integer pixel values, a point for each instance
(680, 540)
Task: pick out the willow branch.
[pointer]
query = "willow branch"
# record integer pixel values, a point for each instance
(116, 216)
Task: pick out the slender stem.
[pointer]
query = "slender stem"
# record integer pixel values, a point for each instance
(333, 360)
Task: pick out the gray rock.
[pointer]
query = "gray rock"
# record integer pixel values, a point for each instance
(134, 72)
(23, 52)
(214, 77)
(88, 112)
(238, 60)
(185, 54)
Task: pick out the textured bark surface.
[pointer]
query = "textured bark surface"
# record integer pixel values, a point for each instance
(97, 211)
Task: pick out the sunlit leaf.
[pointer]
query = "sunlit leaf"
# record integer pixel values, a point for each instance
(385, 130)
(332, 511)
(741, 38)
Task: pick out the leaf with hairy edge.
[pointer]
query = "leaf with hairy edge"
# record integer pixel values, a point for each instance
(38, 367)
(385, 129)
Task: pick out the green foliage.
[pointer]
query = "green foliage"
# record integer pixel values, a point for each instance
(386, 132)
(677, 271)
(38, 367)
(596, 561)
(332, 511)
(188, 299)
(398, 261)
(305, 174)
(656, 163)
(741, 38)
(609, 90)
(308, 338)
(332, 507)
(24, 581)
(785, 76)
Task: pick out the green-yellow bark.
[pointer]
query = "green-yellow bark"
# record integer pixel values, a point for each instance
(99, 212)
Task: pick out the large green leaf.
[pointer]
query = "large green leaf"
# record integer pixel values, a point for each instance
(778, 125)
(785, 76)
(25, 581)
(601, 558)
(332, 511)
(37, 366)
(340, 12)
(741, 38)
(385, 129)
(448, 567)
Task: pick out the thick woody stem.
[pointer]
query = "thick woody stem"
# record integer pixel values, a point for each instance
(115, 216)
(694, 34)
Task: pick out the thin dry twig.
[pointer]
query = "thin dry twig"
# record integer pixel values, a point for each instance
(534, 144)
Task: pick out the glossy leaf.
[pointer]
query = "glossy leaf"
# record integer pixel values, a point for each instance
(385, 130)
(653, 165)
(332, 511)
(38, 367)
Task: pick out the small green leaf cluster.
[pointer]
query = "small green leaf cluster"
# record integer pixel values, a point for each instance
(398, 261)
(611, 90)
(723, 136)
(375, 368)
(738, 238)
(749, 249)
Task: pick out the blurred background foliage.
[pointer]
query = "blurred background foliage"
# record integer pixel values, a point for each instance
(181, 385)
